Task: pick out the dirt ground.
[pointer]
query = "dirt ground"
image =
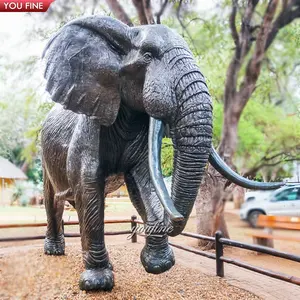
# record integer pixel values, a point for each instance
(29, 274)
(118, 208)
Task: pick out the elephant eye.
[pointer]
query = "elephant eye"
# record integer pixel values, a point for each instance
(148, 56)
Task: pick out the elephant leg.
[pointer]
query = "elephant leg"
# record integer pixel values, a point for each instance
(156, 256)
(87, 182)
(98, 274)
(54, 242)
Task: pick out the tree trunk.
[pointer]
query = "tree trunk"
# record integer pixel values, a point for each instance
(238, 195)
(209, 206)
(229, 138)
(119, 12)
(213, 194)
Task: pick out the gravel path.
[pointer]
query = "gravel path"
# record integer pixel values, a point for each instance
(32, 275)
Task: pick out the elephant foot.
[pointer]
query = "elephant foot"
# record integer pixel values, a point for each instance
(54, 246)
(110, 266)
(97, 279)
(157, 258)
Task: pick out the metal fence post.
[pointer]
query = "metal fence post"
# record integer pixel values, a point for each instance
(219, 253)
(133, 229)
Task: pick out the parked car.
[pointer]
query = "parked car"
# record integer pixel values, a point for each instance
(257, 195)
(284, 201)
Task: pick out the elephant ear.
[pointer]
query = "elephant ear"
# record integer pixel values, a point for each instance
(83, 61)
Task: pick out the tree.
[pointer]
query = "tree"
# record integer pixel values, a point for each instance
(252, 39)
(237, 94)
(20, 100)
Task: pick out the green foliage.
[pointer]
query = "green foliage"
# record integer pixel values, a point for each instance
(266, 127)
(33, 132)
(264, 131)
(167, 154)
(24, 190)
(35, 171)
(21, 113)
(217, 122)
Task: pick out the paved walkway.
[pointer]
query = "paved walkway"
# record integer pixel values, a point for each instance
(266, 287)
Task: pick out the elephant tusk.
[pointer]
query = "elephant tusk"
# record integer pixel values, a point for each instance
(217, 162)
(156, 128)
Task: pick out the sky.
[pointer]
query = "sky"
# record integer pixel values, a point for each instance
(13, 28)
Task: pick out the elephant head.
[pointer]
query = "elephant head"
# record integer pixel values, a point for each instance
(95, 63)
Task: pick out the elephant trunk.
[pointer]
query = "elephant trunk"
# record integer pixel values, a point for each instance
(191, 131)
(192, 138)
(190, 121)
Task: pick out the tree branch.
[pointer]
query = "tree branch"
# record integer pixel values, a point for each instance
(232, 20)
(290, 11)
(273, 70)
(296, 65)
(148, 11)
(243, 44)
(95, 2)
(246, 31)
(205, 22)
(254, 65)
(252, 172)
(184, 27)
(119, 12)
(161, 11)
(139, 6)
(266, 161)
